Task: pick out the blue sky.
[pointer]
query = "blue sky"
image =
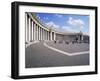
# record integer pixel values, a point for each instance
(66, 22)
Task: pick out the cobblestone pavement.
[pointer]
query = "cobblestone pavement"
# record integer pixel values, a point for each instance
(37, 55)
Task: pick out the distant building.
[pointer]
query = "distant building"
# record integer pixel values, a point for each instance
(78, 37)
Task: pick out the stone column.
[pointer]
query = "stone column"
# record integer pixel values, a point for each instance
(26, 28)
(43, 34)
(54, 36)
(51, 35)
(32, 30)
(36, 31)
(48, 35)
(39, 32)
(29, 29)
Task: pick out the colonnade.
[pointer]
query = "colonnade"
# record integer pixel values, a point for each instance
(34, 31)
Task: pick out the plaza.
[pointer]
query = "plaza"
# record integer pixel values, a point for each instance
(46, 47)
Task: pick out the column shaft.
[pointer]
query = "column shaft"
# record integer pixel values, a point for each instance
(29, 30)
(32, 31)
(26, 28)
(37, 32)
(40, 33)
(43, 33)
(51, 35)
(48, 35)
(54, 36)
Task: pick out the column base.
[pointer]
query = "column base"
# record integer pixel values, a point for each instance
(26, 42)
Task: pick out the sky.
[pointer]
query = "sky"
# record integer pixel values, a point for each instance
(65, 22)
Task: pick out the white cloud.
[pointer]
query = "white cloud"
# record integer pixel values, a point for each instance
(77, 23)
(68, 29)
(51, 24)
(65, 28)
(56, 27)
(58, 15)
(46, 18)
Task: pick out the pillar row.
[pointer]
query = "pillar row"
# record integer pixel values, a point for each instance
(33, 31)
